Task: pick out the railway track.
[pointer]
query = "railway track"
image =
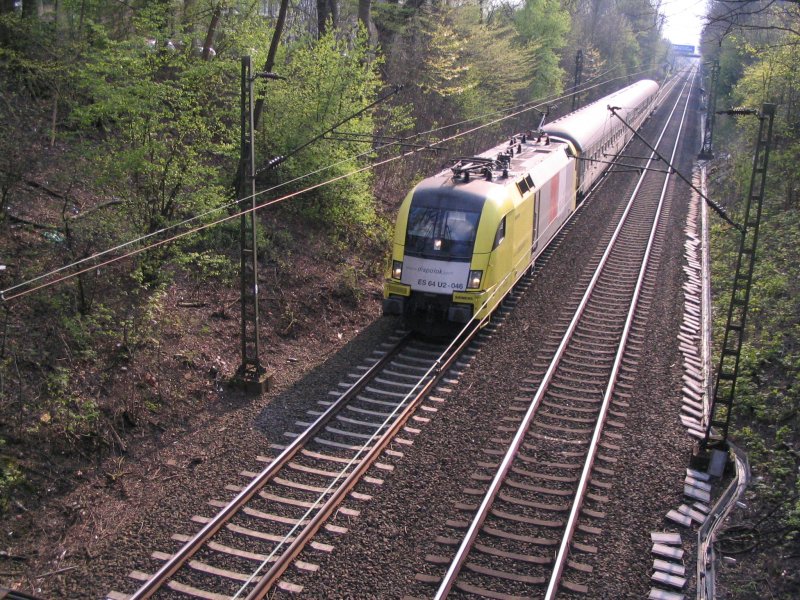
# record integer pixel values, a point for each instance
(245, 548)
(531, 515)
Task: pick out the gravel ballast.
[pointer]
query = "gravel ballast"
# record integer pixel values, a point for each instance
(117, 524)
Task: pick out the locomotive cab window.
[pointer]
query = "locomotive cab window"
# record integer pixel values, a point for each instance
(447, 234)
(501, 233)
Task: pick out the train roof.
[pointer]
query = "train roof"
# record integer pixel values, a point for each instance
(534, 161)
(590, 123)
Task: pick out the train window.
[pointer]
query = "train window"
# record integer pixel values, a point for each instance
(529, 180)
(522, 186)
(501, 233)
(441, 233)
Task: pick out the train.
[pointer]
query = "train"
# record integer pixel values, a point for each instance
(466, 235)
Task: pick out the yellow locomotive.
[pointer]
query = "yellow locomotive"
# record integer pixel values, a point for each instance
(465, 236)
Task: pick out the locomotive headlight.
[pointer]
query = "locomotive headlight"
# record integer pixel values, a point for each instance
(397, 269)
(474, 281)
(437, 244)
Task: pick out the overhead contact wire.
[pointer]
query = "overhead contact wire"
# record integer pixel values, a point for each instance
(519, 109)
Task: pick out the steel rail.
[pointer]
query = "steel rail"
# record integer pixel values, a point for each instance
(436, 372)
(706, 535)
(494, 487)
(572, 521)
(190, 548)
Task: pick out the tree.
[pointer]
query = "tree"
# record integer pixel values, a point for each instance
(775, 78)
(626, 35)
(327, 12)
(729, 16)
(755, 45)
(543, 26)
(326, 81)
(31, 8)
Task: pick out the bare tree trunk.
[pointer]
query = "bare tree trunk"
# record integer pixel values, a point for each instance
(188, 16)
(364, 8)
(273, 51)
(54, 120)
(81, 17)
(31, 8)
(212, 29)
(334, 6)
(326, 9)
(322, 17)
(276, 36)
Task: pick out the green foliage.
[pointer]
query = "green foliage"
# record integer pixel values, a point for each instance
(87, 332)
(349, 287)
(458, 63)
(767, 404)
(70, 415)
(505, 66)
(326, 81)
(11, 477)
(757, 57)
(167, 129)
(542, 26)
(445, 70)
(624, 35)
(207, 267)
(774, 77)
(472, 66)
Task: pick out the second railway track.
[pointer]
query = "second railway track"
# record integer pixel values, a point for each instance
(244, 549)
(537, 502)
(324, 463)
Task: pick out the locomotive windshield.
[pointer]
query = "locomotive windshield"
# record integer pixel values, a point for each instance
(443, 233)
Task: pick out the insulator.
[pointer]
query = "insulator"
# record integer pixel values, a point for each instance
(275, 161)
(739, 111)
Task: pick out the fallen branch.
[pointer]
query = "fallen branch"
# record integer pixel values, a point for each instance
(56, 572)
(46, 190)
(94, 209)
(80, 215)
(17, 219)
